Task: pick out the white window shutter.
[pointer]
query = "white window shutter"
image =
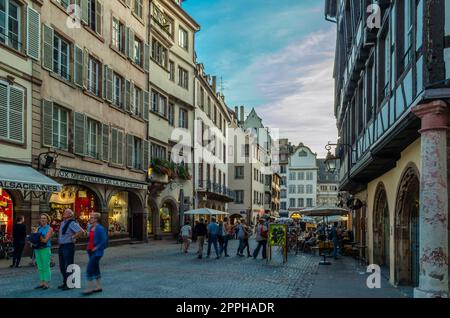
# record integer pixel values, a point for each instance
(3, 111)
(84, 11)
(147, 58)
(79, 133)
(145, 155)
(114, 142)
(47, 123)
(33, 33)
(47, 52)
(146, 105)
(109, 84)
(105, 142)
(131, 43)
(127, 95)
(130, 146)
(99, 17)
(104, 81)
(78, 66)
(16, 114)
(120, 146)
(86, 68)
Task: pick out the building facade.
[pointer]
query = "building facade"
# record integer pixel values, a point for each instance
(327, 185)
(301, 179)
(285, 150)
(391, 104)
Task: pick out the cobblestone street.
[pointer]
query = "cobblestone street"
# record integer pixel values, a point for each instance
(159, 269)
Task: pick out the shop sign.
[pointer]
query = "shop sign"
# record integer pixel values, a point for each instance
(99, 180)
(28, 186)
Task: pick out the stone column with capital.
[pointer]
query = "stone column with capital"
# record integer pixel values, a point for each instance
(433, 240)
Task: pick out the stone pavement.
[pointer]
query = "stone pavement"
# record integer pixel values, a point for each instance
(159, 270)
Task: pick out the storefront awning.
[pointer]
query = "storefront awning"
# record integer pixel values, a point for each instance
(17, 177)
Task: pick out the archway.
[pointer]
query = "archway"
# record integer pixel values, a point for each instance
(168, 216)
(407, 228)
(126, 215)
(381, 229)
(153, 214)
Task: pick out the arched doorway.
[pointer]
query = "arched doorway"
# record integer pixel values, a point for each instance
(381, 229)
(407, 229)
(168, 222)
(153, 214)
(125, 215)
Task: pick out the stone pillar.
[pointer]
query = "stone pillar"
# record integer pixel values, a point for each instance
(433, 254)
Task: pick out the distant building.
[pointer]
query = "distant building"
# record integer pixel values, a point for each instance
(327, 185)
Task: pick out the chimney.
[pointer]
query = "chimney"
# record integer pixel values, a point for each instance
(214, 84)
(236, 111)
(242, 114)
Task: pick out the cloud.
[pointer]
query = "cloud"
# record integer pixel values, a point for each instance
(298, 86)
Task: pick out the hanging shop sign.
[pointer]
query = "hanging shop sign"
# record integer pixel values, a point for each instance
(99, 180)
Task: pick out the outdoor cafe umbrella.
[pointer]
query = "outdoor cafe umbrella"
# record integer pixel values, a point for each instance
(324, 211)
(205, 211)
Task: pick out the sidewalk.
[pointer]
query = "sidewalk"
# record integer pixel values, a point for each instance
(345, 278)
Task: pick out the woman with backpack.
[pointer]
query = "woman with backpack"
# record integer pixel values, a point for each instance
(96, 246)
(261, 232)
(243, 236)
(41, 241)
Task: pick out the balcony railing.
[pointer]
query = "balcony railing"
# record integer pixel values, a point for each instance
(217, 188)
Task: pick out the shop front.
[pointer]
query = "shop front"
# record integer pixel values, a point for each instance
(6, 212)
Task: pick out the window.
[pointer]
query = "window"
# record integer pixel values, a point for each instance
(283, 169)
(158, 151)
(301, 202)
(159, 103)
(291, 189)
(11, 113)
(171, 115)
(239, 196)
(301, 176)
(94, 76)
(92, 138)
(183, 38)
(309, 175)
(283, 206)
(137, 154)
(292, 175)
(159, 53)
(64, 3)
(117, 146)
(138, 8)
(183, 78)
(11, 24)
(323, 188)
(386, 72)
(118, 35)
(118, 90)
(208, 110)
(61, 57)
(60, 128)
(309, 189)
(138, 50)
(172, 71)
(95, 16)
(292, 203)
(409, 29)
(283, 194)
(301, 188)
(183, 118)
(138, 104)
(239, 172)
(309, 202)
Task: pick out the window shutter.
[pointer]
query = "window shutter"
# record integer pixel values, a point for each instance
(130, 43)
(33, 33)
(132, 98)
(79, 133)
(16, 114)
(120, 147)
(146, 105)
(3, 111)
(105, 141)
(147, 58)
(105, 80)
(127, 95)
(130, 151)
(85, 11)
(110, 85)
(47, 54)
(86, 68)
(127, 41)
(47, 123)
(99, 17)
(145, 154)
(114, 158)
(78, 66)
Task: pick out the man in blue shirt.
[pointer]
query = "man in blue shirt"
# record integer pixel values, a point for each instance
(213, 233)
(68, 233)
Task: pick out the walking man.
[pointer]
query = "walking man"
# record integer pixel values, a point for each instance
(19, 238)
(186, 234)
(213, 233)
(200, 233)
(69, 231)
(261, 238)
(226, 234)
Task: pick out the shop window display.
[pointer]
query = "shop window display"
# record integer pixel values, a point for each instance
(164, 219)
(150, 223)
(118, 214)
(78, 199)
(6, 212)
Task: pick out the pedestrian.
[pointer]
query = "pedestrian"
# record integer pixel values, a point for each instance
(96, 247)
(243, 236)
(200, 233)
(186, 234)
(213, 233)
(261, 238)
(19, 237)
(227, 231)
(333, 236)
(69, 231)
(42, 250)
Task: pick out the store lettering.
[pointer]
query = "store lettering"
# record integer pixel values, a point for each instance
(99, 180)
(28, 186)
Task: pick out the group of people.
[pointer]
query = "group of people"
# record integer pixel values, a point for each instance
(219, 233)
(335, 234)
(40, 240)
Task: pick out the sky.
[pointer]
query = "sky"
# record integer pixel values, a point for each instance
(276, 56)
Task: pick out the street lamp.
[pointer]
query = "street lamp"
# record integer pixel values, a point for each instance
(331, 160)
